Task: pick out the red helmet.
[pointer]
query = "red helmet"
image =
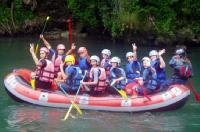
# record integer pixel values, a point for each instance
(82, 50)
(61, 47)
(45, 50)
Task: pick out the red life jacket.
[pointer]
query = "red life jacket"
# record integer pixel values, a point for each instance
(101, 85)
(185, 71)
(45, 74)
(57, 61)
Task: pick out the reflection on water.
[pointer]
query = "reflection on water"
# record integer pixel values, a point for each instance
(27, 118)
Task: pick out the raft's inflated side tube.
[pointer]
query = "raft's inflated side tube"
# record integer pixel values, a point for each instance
(173, 98)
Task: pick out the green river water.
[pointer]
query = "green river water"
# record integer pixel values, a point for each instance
(19, 117)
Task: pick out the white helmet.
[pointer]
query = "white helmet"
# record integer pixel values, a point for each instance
(106, 51)
(94, 57)
(115, 60)
(153, 53)
(128, 54)
(146, 58)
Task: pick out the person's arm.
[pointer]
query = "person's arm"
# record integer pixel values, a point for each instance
(137, 65)
(46, 43)
(144, 76)
(71, 51)
(173, 61)
(134, 51)
(121, 76)
(62, 71)
(119, 79)
(96, 78)
(35, 59)
(154, 74)
(162, 62)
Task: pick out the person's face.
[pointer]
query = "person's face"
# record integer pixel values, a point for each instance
(69, 63)
(146, 63)
(43, 55)
(154, 57)
(60, 51)
(177, 56)
(114, 64)
(82, 54)
(130, 58)
(93, 62)
(104, 56)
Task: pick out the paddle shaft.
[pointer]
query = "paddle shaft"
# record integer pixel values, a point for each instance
(123, 96)
(144, 90)
(45, 24)
(197, 96)
(70, 108)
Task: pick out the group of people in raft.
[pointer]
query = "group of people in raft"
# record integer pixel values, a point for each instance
(97, 76)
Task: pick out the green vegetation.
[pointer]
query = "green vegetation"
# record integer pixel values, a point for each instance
(161, 17)
(12, 16)
(167, 18)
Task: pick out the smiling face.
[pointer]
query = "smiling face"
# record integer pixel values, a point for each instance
(146, 63)
(61, 51)
(93, 63)
(69, 63)
(104, 56)
(82, 54)
(114, 64)
(43, 55)
(153, 57)
(130, 58)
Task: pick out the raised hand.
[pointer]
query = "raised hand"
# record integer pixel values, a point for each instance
(31, 47)
(134, 47)
(161, 52)
(41, 36)
(73, 47)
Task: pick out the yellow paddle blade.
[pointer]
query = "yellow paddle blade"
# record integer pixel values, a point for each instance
(77, 108)
(67, 114)
(47, 18)
(33, 84)
(123, 94)
(36, 48)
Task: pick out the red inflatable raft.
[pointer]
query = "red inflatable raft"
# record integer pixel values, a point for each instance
(17, 86)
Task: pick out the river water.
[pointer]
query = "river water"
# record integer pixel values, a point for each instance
(19, 117)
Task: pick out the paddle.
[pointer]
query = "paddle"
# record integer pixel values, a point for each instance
(70, 108)
(33, 84)
(197, 96)
(73, 103)
(121, 92)
(45, 24)
(144, 90)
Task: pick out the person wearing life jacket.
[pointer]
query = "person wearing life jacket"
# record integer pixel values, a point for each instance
(181, 69)
(117, 74)
(83, 60)
(149, 78)
(59, 55)
(158, 63)
(106, 53)
(44, 73)
(133, 67)
(97, 77)
(71, 75)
